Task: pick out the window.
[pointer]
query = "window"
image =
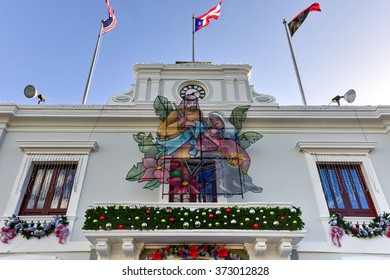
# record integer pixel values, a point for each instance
(344, 178)
(203, 172)
(49, 188)
(210, 178)
(345, 189)
(50, 178)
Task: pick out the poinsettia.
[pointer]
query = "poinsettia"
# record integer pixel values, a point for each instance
(156, 256)
(222, 252)
(193, 252)
(184, 184)
(157, 169)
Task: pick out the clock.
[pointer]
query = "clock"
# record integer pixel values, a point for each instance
(192, 87)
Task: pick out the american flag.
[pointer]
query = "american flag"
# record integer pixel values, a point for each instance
(109, 23)
(204, 20)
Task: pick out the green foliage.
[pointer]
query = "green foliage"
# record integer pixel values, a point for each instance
(135, 172)
(152, 185)
(163, 107)
(175, 173)
(378, 227)
(238, 116)
(248, 138)
(145, 143)
(34, 230)
(160, 218)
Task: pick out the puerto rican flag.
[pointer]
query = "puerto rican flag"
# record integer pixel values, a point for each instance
(204, 20)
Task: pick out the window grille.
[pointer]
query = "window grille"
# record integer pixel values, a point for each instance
(50, 182)
(345, 185)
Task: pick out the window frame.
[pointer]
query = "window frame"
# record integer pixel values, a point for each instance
(195, 198)
(331, 151)
(35, 151)
(344, 191)
(53, 183)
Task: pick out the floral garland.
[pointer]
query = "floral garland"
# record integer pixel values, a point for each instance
(378, 227)
(34, 230)
(194, 252)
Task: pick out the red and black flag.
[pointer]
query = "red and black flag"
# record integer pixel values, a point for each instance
(296, 22)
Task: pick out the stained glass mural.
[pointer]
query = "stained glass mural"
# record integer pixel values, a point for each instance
(195, 157)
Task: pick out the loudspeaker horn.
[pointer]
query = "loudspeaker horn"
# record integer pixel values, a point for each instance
(349, 96)
(30, 91)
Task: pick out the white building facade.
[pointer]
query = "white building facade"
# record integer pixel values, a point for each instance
(127, 187)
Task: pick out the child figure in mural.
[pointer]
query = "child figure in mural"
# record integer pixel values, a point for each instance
(220, 141)
(177, 134)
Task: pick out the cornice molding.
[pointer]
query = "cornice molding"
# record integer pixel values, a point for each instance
(37, 146)
(335, 146)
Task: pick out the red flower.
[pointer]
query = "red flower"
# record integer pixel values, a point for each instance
(156, 256)
(184, 184)
(388, 233)
(193, 252)
(158, 169)
(222, 253)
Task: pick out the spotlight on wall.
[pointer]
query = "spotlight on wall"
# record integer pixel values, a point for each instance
(31, 92)
(349, 96)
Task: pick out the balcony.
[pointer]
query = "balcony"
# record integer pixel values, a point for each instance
(260, 230)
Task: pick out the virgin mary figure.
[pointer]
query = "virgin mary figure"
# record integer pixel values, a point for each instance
(220, 141)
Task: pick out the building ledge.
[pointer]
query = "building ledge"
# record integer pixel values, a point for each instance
(194, 236)
(126, 229)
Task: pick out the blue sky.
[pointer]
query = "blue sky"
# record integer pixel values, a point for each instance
(50, 44)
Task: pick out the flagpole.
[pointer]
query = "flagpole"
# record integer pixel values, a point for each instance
(93, 63)
(295, 64)
(193, 38)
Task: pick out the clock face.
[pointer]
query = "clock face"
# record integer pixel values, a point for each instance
(194, 89)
